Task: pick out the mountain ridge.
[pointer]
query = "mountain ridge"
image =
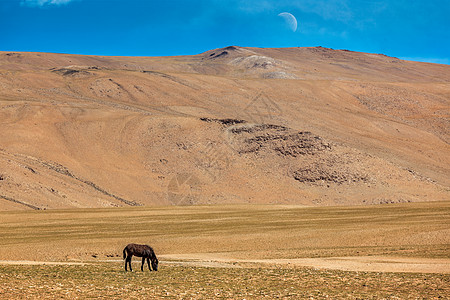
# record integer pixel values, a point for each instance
(225, 126)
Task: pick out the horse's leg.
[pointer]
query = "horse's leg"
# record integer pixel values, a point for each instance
(148, 263)
(129, 262)
(143, 262)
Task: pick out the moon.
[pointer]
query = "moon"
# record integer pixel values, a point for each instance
(290, 20)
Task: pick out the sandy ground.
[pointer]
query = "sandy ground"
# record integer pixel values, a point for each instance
(35, 263)
(349, 263)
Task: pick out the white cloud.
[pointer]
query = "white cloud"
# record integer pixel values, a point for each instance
(40, 3)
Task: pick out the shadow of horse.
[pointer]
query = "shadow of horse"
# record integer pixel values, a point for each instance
(144, 251)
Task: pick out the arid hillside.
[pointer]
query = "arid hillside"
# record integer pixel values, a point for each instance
(310, 126)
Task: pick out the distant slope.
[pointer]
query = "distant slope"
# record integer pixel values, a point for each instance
(311, 126)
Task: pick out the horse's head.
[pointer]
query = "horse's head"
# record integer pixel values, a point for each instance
(155, 263)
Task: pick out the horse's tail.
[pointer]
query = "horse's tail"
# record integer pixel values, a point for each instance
(124, 252)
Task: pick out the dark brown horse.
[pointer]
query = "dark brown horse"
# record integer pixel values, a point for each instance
(144, 251)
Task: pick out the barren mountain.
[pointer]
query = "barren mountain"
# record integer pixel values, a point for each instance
(311, 126)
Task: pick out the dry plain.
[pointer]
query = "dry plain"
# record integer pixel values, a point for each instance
(238, 251)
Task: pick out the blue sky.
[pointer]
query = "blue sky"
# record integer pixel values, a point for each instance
(416, 30)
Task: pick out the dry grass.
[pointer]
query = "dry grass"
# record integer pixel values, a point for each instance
(177, 282)
(256, 232)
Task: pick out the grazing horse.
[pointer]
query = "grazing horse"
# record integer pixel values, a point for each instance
(144, 251)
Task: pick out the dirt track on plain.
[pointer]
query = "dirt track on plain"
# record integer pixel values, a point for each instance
(349, 263)
(37, 263)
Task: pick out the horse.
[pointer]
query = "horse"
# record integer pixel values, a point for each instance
(144, 251)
